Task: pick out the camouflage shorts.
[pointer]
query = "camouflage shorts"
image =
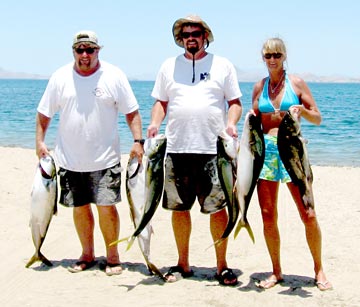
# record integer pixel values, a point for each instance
(191, 176)
(99, 187)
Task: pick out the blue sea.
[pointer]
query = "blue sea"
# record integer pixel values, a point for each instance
(335, 142)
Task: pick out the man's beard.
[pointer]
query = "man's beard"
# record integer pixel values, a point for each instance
(193, 49)
(85, 65)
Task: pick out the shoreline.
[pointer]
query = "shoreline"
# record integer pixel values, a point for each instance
(350, 165)
(336, 201)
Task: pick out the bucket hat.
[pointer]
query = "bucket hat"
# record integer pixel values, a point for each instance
(190, 19)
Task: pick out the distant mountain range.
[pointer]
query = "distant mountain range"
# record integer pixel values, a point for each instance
(4, 74)
(252, 76)
(244, 76)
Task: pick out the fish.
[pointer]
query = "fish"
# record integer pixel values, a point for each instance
(155, 149)
(293, 154)
(227, 148)
(43, 206)
(250, 161)
(135, 192)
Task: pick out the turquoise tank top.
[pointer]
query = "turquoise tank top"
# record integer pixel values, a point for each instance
(289, 98)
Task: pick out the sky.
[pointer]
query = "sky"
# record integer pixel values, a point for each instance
(322, 37)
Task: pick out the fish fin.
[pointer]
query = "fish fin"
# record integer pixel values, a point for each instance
(250, 232)
(245, 224)
(119, 241)
(154, 270)
(237, 229)
(32, 260)
(38, 256)
(44, 260)
(217, 242)
(130, 242)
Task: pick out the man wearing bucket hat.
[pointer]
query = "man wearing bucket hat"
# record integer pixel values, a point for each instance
(89, 94)
(192, 90)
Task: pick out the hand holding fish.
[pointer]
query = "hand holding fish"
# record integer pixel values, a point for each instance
(154, 180)
(232, 130)
(311, 114)
(227, 149)
(152, 131)
(137, 151)
(41, 150)
(43, 205)
(250, 161)
(297, 110)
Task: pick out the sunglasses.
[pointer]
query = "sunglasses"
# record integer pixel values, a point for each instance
(88, 50)
(195, 34)
(274, 55)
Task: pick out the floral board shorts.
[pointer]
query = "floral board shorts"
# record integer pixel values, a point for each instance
(273, 169)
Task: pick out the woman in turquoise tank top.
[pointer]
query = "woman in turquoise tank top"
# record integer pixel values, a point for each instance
(272, 97)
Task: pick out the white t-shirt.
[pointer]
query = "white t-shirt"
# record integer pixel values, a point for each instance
(87, 137)
(196, 111)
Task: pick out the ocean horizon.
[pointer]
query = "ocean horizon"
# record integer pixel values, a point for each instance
(333, 143)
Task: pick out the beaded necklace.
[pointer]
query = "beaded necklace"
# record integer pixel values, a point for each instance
(272, 90)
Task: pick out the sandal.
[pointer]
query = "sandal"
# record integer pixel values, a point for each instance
(113, 269)
(226, 277)
(81, 266)
(268, 283)
(324, 285)
(170, 276)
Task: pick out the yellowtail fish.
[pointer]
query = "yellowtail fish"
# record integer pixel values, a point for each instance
(136, 193)
(250, 161)
(155, 149)
(293, 153)
(43, 205)
(227, 149)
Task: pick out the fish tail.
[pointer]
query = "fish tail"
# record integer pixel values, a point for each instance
(130, 242)
(38, 256)
(32, 260)
(250, 232)
(154, 270)
(247, 226)
(44, 259)
(119, 241)
(237, 229)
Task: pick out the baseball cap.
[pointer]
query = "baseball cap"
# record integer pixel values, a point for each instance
(86, 36)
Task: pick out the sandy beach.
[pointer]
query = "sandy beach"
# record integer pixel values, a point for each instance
(337, 196)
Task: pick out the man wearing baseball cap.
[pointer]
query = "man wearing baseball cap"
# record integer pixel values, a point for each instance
(89, 94)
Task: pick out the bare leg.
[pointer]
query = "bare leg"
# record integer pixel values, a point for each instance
(181, 222)
(218, 223)
(110, 227)
(84, 224)
(268, 195)
(313, 237)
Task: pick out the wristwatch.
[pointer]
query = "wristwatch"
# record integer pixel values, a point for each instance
(141, 141)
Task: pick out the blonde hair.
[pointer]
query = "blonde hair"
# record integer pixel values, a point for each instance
(274, 45)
